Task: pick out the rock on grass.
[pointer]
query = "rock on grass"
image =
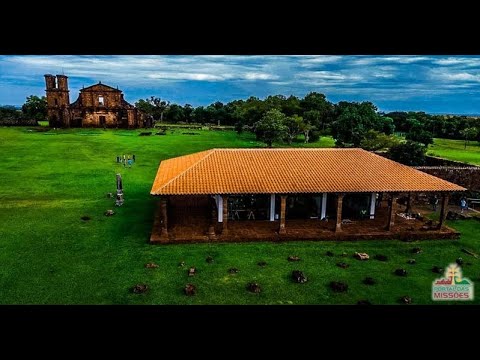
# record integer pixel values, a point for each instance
(338, 286)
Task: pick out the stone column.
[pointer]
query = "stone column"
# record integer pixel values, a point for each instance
(225, 214)
(220, 208)
(443, 211)
(163, 211)
(283, 206)
(373, 199)
(324, 206)
(272, 207)
(338, 225)
(391, 212)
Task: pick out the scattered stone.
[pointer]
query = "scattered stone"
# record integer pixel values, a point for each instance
(181, 263)
(233, 270)
(86, 218)
(416, 250)
(406, 300)
(437, 270)
(369, 281)
(254, 288)
(459, 261)
(363, 302)
(190, 289)
(343, 265)
(262, 263)
(151, 266)
(344, 254)
(411, 261)
(209, 259)
(293, 258)
(109, 213)
(338, 286)
(140, 288)
(299, 277)
(380, 257)
(329, 253)
(361, 256)
(401, 272)
(192, 271)
(109, 195)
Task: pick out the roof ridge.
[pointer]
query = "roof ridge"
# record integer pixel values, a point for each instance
(211, 151)
(290, 149)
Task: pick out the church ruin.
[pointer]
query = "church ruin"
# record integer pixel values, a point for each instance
(98, 105)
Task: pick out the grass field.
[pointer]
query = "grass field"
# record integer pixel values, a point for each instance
(455, 150)
(48, 255)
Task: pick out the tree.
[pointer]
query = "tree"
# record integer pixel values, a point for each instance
(408, 153)
(469, 133)
(200, 115)
(353, 120)
(271, 127)
(145, 106)
(317, 110)
(35, 108)
(160, 107)
(187, 112)
(294, 125)
(174, 114)
(418, 134)
(375, 140)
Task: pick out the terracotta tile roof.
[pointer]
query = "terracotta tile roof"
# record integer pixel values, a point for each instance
(249, 171)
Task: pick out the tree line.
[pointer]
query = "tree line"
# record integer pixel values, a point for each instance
(34, 109)
(279, 118)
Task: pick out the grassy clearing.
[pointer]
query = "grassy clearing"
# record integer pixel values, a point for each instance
(48, 255)
(455, 150)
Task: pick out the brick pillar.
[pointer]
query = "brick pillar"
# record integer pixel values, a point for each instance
(338, 225)
(443, 211)
(409, 205)
(391, 212)
(213, 219)
(225, 214)
(163, 211)
(283, 206)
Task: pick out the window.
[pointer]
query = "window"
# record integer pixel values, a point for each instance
(101, 101)
(56, 101)
(102, 120)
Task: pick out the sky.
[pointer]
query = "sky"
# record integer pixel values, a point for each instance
(434, 84)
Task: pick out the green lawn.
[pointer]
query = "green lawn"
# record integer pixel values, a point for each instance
(455, 150)
(48, 255)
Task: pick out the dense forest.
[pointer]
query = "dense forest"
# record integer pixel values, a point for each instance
(313, 115)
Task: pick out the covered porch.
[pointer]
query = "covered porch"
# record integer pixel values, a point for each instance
(277, 217)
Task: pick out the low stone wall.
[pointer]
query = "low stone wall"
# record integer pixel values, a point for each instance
(437, 161)
(468, 177)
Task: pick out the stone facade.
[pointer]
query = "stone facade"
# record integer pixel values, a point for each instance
(98, 105)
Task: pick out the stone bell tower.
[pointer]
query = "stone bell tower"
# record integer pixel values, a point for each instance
(58, 100)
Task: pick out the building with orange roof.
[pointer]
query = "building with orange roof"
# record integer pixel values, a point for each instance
(326, 190)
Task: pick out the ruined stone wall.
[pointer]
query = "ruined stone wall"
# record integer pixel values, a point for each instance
(110, 98)
(92, 119)
(468, 177)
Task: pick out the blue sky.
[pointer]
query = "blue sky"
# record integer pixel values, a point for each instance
(436, 84)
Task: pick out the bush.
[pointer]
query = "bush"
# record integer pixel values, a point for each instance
(409, 153)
